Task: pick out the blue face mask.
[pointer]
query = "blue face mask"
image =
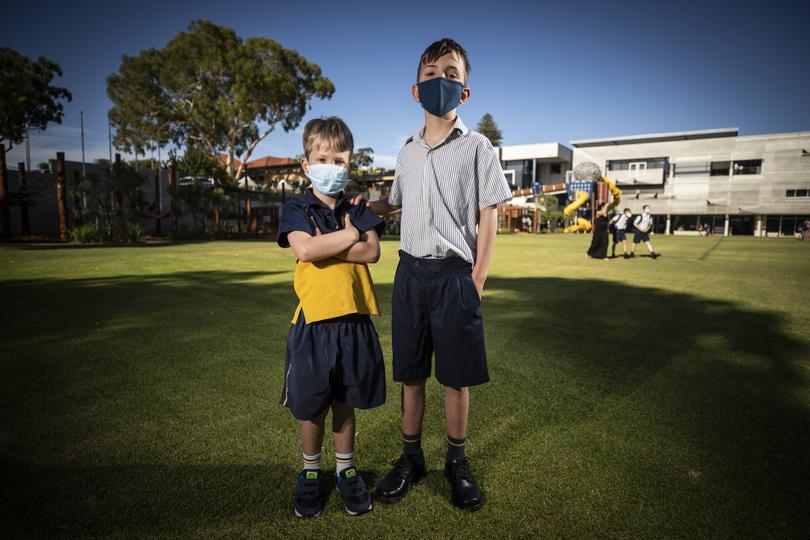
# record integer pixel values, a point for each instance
(328, 179)
(440, 95)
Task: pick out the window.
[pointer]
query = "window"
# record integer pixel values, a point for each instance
(618, 165)
(656, 163)
(696, 168)
(790, 193)
(720, 168)
(624, 164)
(555, 168)
(748, 166)
(801, 193)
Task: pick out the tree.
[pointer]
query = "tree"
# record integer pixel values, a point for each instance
(362, 158)
(27, 97)
(210, 87)
(489, 129)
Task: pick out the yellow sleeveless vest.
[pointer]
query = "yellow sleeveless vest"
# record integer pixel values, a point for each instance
(331, 288)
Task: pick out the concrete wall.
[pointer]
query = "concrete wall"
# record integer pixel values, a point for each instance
(783, 167)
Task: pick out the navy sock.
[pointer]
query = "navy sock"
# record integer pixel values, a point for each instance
(455, 448)
(412, 444)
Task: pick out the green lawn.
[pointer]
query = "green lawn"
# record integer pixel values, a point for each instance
(640, 398)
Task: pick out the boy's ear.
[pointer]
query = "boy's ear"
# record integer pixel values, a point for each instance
(415, 92)
(305, 165)
(465, 95)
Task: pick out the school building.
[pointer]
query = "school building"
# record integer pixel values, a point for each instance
(743, 185)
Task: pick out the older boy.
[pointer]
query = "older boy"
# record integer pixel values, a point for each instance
(619, 222)
(448, 182)
(334, 359)
(642, 226)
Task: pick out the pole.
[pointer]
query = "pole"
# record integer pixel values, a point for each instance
(61, 203)
(5, 207)
(26, 221)
(109, 137)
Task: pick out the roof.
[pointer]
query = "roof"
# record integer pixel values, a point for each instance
(270, 161)
(659, 137)
(224, 159)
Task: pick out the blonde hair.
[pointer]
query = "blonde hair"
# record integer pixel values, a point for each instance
(331, 131)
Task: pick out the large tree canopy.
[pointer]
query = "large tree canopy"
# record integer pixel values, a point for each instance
(27, 97)
(210, 87)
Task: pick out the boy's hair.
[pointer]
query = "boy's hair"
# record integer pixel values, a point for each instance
(437, 49)
(645, 206)
(625, 210)
(331, 131)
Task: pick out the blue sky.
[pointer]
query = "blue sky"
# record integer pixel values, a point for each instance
(547, 71)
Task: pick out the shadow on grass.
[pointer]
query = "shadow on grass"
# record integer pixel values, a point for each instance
(66, 500)
(720, 379)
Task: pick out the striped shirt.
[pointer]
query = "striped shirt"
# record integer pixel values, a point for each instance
(620, 221)
(443, 189)
(643, 222)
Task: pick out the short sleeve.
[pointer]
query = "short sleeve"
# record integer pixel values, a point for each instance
(395, 195)
(493, 189)
(365, 219)
(293, 218)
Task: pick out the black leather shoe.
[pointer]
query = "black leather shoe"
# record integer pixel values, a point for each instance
(407, 470)
(466, 494)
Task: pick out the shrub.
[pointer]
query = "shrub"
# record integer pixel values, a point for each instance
(88, 234)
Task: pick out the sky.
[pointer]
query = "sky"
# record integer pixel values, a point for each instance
(546, 71)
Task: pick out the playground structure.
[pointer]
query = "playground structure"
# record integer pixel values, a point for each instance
(586, 188)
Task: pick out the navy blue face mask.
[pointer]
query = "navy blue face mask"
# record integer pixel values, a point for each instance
(440, 95)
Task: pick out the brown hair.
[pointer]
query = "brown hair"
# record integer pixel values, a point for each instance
(331, 131)
(437, 49)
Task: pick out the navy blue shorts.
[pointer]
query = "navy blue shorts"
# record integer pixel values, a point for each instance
(337, 359)
(639, 237)
(436, 308)
(619, 235)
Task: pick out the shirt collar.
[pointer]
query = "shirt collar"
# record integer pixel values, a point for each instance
(309, 198)
(458, 126)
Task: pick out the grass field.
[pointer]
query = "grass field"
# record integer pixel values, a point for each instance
(638, 399)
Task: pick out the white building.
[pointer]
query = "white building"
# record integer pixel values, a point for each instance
(746, 185)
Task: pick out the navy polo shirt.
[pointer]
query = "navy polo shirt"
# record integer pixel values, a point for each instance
(300, 213)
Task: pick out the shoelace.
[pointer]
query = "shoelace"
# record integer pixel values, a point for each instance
(402, 466)
(462, 470)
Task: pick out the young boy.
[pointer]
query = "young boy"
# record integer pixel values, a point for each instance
(642, 225)
(448, 183)
(334, 359)
(620, 231)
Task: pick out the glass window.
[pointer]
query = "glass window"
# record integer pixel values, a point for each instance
(748, 166)
(801, 193)
(556, 168)
(790, 193)
(697, 168)
(656, 163)
(623, 165)
(720, 168)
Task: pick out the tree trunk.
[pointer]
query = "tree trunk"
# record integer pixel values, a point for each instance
(61, 201)
(26, 220)
(5, 207)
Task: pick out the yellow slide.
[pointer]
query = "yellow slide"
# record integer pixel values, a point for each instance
(582, 225)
